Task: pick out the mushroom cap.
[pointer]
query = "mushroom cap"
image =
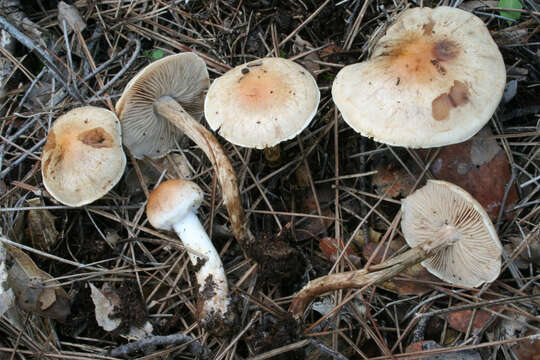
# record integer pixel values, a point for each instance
(444, 213)
(83, 157)
(171, 201)
(434, 79)
(262, 103)
(183, 77)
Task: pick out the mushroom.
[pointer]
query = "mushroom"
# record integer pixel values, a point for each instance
(161, 101)
(434, 79)
(450, 234)
(262, 103)
(83, 157)
(173, 206)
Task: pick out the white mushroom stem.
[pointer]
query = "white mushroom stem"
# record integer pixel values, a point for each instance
(213, 288)
(358, 279)
(171, 110)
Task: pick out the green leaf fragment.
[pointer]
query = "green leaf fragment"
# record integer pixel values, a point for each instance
(510, 4)
(156, 54)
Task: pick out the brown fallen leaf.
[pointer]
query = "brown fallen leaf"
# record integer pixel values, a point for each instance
(392, 179)
(40, 227)
(432, 345)
(479, 166)
(528, 349)
(310, 227)
(417, 273)
(459, 320)
(329, 247)
(28, 282)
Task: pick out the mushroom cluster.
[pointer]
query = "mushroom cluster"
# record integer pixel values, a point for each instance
(435, 78)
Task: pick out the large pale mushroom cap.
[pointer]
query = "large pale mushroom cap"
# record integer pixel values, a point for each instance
(83, 157)
(262, 103)
(183, 77)
(434, 79)
(444, 213)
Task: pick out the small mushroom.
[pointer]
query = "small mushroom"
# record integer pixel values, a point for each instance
(173, 206)
(455, 230)
(164, 99)
(434, 79)
(83, 158)
(450, 234)
(262, 103)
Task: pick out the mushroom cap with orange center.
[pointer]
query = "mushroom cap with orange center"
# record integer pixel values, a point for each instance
(83, 157)
(434, 79)
(262, 103)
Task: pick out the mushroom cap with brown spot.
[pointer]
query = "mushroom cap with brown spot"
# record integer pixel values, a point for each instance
(444, 213)
(83, 157)
(171, 201)
(183, 77)
(434, 79)
(262, 103)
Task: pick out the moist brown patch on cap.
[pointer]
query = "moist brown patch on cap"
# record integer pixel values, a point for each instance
(97, 138)
(445, 50)
(458, 95)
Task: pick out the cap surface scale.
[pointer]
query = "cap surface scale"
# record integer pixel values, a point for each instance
(171, 201)
(83, 157)
(183, 77)
(441, 212)
(434, 79)
(262, 103)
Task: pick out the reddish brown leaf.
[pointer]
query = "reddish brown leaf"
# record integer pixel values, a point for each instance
(460, 320)
(479, 166)
(428, 345)
(391, 179)
(528, 350)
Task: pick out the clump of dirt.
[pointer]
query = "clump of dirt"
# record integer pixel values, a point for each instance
(272, 333)
(279, 263)
(133, 310)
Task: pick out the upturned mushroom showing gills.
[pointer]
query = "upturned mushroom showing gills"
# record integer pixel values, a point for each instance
(173, 206)
(163, 100)
(262, 103)
(435, 78)
(83, 158)
(450, 234)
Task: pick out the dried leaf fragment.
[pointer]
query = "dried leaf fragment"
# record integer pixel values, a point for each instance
(432, 345)
(106, 302)
(34, 289)
(40, 227)
(70, 14)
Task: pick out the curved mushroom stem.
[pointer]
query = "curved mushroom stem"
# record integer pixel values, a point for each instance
(357, 279)
(171, 110)
(214, 301)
